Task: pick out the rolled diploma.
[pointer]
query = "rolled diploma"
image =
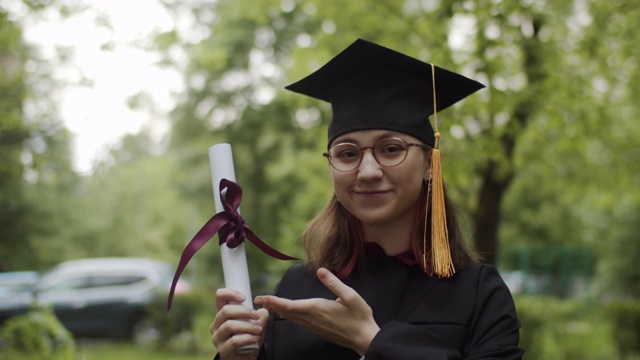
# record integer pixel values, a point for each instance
(234, 261)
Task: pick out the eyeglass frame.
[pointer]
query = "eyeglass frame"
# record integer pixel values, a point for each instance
(362, 149)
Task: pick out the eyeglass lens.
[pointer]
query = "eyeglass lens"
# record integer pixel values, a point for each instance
(387, 152)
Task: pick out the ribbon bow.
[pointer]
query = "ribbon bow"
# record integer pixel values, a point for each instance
(231, 230)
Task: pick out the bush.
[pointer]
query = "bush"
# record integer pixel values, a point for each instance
(563, 329)
(176, 327)
(535, 314)
(36, 335)
(625, 316)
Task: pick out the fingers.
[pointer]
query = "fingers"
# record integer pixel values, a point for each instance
(235, 312)
(226, 295)
(282, 306)
(236, 329)
(235, 325)
(263, 316)
(232, 317)
(235, 334)
(272, 303)
(345, 293)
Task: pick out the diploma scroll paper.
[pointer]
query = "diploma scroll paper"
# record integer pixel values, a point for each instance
(234, 261)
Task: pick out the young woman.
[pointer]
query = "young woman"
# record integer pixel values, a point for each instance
(387, 273)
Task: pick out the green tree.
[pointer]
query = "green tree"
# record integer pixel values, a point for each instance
(239, 60)
(36, 178)
(612, 170)
(130, 204)
(527, 157)
(13, 134)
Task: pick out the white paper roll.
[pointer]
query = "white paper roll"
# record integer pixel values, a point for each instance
(234, 261)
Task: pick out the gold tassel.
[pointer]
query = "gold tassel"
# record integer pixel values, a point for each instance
(440, 251)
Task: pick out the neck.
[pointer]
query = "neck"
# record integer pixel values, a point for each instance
(394, 239)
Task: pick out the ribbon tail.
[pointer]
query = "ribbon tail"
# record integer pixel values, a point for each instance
(266, 248)
(205, 234)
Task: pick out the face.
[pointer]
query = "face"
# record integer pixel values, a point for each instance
(379, 195)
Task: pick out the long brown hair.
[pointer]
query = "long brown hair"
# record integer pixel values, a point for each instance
(334, 238)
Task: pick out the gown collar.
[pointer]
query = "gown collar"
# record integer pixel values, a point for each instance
(375, 249)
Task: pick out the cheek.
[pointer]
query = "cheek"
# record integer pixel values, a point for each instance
(414, 177)
(418, 186)
(414, 183)
(338, 180)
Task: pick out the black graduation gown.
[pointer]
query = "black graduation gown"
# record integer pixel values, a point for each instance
(468, 316)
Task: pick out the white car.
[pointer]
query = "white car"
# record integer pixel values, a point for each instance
(104, 297)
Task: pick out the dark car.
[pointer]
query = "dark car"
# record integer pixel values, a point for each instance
(102, 297)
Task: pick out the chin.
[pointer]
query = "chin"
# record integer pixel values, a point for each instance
(373, 219)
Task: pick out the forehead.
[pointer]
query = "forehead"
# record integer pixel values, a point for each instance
(365, 137)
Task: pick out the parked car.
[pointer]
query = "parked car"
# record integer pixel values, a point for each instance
(13, 282)
(103, 297)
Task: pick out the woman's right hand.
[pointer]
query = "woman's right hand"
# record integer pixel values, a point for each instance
(236, 325)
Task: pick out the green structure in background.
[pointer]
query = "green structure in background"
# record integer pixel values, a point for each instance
(563, 270)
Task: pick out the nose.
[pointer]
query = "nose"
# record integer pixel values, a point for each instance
(369, 167)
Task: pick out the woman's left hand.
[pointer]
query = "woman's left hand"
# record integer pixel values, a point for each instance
(347, 321)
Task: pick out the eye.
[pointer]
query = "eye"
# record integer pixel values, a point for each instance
(391, 147)
(348, 154)
(345, 152)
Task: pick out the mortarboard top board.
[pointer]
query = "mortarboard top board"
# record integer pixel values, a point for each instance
(372, 87)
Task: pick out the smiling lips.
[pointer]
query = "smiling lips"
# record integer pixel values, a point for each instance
(371, 193)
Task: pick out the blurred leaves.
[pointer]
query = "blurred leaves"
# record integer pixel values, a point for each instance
(546, 154)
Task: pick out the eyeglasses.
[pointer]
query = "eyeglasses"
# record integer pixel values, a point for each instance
(387, 152)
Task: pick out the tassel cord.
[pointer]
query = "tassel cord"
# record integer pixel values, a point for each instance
(442, 262)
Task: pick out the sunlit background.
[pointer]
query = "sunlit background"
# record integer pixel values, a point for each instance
(108, 65)
(107, 109)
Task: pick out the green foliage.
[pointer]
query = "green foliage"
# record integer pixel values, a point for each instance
(13, 133)
(35, 164)
(185, 329)
(131, 209)
(554, 135)
(563, 329)
(176, 327)
(524, 157)
(36, 335)
(625, 315)
(619, 274)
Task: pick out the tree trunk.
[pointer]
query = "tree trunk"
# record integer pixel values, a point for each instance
(497, 175)
(487, 216)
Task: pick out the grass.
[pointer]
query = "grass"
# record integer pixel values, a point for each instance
(188, 345)
(197, 347)
(126, 351)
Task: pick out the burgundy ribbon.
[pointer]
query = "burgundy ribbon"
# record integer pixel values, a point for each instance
(231, 230)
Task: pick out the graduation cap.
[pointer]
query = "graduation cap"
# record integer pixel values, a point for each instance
(372, 87)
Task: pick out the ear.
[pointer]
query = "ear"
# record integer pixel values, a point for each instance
(427, 166)
(427, 174)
